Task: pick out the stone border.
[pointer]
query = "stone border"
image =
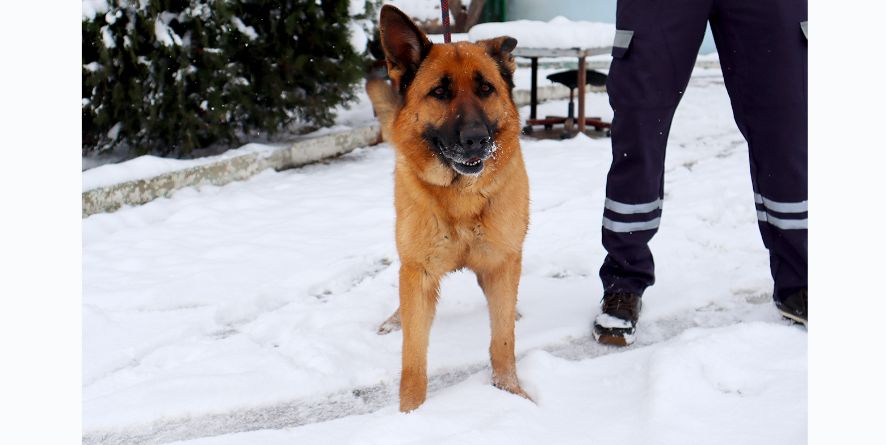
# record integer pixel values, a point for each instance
(223, 171)
(113, 197)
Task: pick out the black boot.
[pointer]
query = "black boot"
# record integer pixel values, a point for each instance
(615, 326)
(794, 306)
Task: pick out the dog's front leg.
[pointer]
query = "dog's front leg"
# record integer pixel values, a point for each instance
(418, 302)
(500, 284)
(391, 324)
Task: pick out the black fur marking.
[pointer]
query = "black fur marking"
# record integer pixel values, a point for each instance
(432, 138)
(499, 56)
(409, 72)
(446, 84)
(406, 80)
(480, 83)
(506, 75)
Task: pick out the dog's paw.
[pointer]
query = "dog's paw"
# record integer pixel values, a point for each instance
(390, 325)
(386, 328)
(413, 390)
(508, 382)
(516, 390)
(407, 406)
(519, 391)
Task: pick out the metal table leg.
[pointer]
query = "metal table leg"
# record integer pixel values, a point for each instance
(533, 93)
(582, 79)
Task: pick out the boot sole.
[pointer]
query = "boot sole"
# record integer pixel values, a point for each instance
(612, 340)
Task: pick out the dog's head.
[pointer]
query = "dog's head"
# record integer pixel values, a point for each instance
(455, 98)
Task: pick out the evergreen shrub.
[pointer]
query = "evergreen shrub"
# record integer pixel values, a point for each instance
(166, 77)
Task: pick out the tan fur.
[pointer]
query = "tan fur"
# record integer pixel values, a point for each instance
(446, 221)
(384, 103)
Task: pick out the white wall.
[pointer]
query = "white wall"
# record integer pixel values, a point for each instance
(591, 10)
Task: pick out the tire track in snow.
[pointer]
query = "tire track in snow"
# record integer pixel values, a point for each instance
(367, 399)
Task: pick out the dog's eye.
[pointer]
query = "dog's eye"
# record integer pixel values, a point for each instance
(439, 93)
(486, 89)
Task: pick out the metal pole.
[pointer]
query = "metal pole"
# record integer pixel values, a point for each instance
(533, 89)
(582, 79)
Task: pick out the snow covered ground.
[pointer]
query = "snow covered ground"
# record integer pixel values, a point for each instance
(246, 313)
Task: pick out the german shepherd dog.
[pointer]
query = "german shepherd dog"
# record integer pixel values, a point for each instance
(460, 188)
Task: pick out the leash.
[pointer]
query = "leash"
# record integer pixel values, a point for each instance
(444, 8)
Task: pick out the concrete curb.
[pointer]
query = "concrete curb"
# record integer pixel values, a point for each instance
(296, 154)
(111, 198)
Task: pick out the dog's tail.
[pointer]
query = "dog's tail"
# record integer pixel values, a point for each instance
(384, 102)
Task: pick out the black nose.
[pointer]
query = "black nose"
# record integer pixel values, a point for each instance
(475, 137)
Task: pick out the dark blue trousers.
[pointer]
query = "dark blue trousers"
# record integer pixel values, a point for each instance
(762, 46)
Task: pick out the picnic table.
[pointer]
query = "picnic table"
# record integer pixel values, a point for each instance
(558, 37)
(581, 53)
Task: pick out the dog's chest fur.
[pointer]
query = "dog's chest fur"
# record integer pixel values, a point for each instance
(459, 226)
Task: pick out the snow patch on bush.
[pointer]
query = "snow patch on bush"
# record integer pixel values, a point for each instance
(248, 31)
(92, 67)
(107, 37)
(91, 8)
(115, 131)
(356, 7)
(358, 38)
(165, 34)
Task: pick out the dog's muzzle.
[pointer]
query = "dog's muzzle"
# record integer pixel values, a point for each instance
(475, 146)
(466, 162)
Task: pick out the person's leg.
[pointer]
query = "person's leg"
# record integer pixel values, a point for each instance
(653, 55)
(655, 49)
(763, 54)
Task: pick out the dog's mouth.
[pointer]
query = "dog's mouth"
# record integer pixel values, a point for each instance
(470, 165)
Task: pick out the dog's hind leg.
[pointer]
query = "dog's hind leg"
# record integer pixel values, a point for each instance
(391, 324)
(500, 286)
(418, 302)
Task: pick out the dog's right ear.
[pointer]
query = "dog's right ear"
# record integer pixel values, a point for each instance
(404, 44)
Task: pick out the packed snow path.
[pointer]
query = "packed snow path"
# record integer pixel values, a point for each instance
(253, 306)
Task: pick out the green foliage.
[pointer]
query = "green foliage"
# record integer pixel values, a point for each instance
(166, 77)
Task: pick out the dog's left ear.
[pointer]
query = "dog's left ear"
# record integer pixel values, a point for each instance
(405, 46)
(500, 49)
